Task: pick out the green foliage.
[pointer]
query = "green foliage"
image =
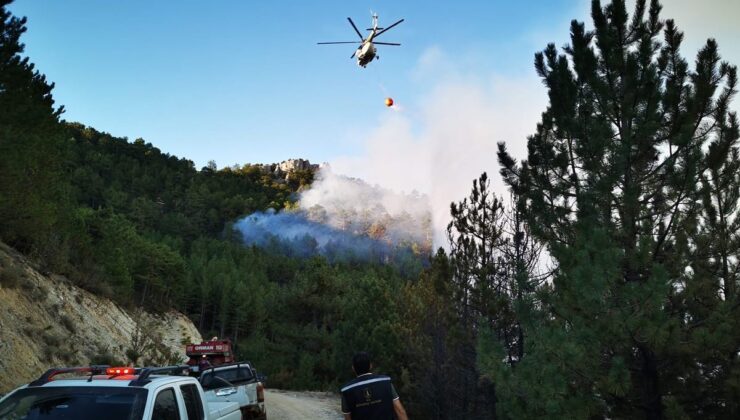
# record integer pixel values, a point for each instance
(68, 323)
(631, 183)
(103, 356)
(32, 189)
(125, 220)
(12, 276)
(38, 293)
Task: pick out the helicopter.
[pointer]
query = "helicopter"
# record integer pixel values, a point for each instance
(366, 52)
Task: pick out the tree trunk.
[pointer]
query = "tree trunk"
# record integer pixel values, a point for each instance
(652, 403)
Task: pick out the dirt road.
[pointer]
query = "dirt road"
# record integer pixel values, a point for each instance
(292, 405)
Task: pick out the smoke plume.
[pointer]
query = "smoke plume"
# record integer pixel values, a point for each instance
(440, 144)
(414, 163)
(434, 147)
(344, 218)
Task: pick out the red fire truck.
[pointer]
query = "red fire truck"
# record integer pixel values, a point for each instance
(210, 353)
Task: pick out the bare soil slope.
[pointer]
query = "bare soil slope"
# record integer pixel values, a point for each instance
(46, 321)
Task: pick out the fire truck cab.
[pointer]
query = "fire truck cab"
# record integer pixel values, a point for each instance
(208, 354)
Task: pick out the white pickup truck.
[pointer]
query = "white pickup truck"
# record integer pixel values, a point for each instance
(114, 394)
(236, 382)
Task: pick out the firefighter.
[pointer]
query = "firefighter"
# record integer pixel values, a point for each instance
(370, 396)
(203, 363)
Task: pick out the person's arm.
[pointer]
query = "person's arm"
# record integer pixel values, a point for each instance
(345, 409)
(398, 408)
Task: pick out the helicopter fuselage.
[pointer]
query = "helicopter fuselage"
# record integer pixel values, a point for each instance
(365, 53)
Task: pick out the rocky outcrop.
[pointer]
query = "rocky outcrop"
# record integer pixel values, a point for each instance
(46, 321)
(283, 170)
(291, 165)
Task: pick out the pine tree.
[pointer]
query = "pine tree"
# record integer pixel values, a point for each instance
(494, 259)
(476, 237)
(613, 185)
(432, 321)
(496, 262)
(31, 186)
(710, 293)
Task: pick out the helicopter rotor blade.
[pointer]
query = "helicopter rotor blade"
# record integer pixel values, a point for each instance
(387, 43)
(355, 28)
(388, 27)
(339, 42)
(353, 55)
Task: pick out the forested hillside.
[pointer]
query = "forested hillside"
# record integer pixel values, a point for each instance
(127, 221)
(606, 287)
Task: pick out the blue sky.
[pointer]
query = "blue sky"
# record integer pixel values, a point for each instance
(244, 81)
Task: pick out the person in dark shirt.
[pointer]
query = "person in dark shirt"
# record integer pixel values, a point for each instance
(203, 363)
(370, 396)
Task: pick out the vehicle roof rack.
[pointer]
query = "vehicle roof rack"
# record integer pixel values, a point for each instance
(51, 373)
(143, 378)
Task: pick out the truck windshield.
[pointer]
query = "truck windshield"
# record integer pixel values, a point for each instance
(109, 403)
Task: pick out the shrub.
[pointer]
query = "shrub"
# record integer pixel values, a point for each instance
(52, 339)
(68, 323)
(5, 261)
(12, 277)
(39, 293)
(133, 356)
(48, 353)
(105, 357)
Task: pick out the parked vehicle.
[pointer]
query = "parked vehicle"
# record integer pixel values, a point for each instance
(115, 394)
(236, 382)
(210, 353)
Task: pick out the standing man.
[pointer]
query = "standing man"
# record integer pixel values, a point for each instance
(203, 364)
(370, 396)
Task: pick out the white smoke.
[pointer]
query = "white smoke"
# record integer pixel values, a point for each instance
(357, 207)
(451, 136)
(438, 145)
(344, 219)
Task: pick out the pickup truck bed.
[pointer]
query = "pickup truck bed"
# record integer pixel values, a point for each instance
(236, 383)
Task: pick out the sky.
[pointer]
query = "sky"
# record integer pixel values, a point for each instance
(244, 81)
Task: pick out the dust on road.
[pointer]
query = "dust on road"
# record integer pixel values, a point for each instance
(293, 405)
